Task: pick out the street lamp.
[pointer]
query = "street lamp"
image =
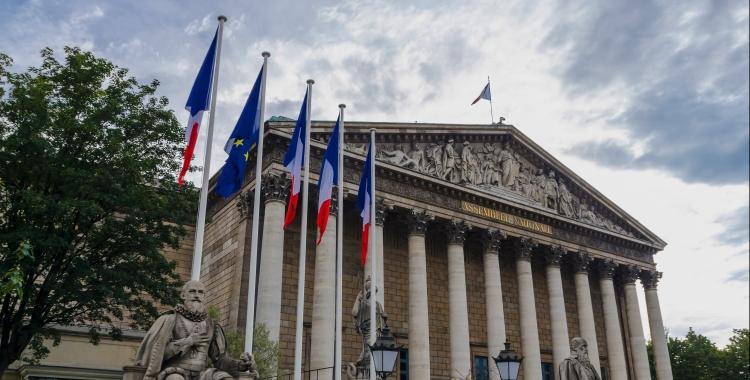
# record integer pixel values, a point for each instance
(385, 353)
(508, 362)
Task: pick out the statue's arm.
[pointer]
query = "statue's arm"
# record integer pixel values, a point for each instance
(177, 347)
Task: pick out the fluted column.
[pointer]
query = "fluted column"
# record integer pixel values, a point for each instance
(268, 310)
(637, 341)
(458, 311)
(559, 320)
(615, 351)
(650, 280)
(532, 363)
(323, 331)
(494, 296)
(381, 210)
(419, 323)
(586, 325)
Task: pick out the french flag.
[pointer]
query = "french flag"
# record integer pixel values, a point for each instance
(294, 159)
(364, 202)
(329, 176)
(198, 101)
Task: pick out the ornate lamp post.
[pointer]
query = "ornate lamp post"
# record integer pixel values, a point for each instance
(508, 363)
(385, 353)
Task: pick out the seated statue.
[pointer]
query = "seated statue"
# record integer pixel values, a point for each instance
(578, 366)
(185, 344)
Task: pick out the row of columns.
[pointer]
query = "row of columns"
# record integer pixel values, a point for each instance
(323, 329)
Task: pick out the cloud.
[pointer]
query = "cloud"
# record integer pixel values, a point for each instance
(740, 275)
(736, 227)
(683, 69)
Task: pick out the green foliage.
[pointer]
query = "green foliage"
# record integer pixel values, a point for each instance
(88, 158)
(265, 350)
(697, 358)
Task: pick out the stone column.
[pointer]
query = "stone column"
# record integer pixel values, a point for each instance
(271, 255)
(381, 210)
(323, 330)
(532, 362)
(458, 312)
(637, 341)
(494, 296)
(419, 324)
(650, 279)
(559, 320)
(615, 351)
(586, 325)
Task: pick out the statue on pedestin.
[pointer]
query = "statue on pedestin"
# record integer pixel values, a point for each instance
(186, 344)
(578, 366)
(361, 318)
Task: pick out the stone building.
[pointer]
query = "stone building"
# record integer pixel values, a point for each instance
(482, 236)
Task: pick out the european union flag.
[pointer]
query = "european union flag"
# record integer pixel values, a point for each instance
(241, 141)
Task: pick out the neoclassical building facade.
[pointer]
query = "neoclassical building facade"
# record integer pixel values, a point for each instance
(481, 236)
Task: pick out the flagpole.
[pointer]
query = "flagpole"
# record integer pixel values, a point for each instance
(492, 113)
(373, 256)
(250, 315)
(339, 247)
(200, 227)
(303, 243)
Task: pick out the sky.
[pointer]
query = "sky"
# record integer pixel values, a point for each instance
(647, 101)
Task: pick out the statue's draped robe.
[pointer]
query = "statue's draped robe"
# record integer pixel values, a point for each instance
(572, 369)
(151, 352)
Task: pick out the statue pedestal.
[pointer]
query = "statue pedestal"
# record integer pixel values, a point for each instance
(246, 376)
(133, 372)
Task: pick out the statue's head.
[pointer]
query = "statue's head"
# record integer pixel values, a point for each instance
(194, 296)
(580, 349)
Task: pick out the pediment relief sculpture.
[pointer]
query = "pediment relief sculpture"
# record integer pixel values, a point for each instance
(493, 167)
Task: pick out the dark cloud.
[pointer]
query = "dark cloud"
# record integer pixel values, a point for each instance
(687, 68)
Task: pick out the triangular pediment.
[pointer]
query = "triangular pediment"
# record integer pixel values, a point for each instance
(497, 161)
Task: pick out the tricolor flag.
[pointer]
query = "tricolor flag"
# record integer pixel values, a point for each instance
(294, 159)
(484, 95)
(364, 200)
(329, 176)
(198, 101)
(244, 137)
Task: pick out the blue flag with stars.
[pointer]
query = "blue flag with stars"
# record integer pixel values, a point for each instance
(244, 137)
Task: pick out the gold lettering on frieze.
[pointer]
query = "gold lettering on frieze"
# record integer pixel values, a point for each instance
(506, 218)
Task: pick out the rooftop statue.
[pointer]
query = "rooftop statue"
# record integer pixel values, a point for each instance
(186, 344)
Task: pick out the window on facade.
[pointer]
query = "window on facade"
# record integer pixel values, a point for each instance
(548, 371)
(481, 371)
(403, 361)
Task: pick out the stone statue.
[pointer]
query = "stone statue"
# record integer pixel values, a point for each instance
(523, 182)
(449, 162)
(186, 344)
(587, 215)
(507, 166)
(469, 166)
(578, 366)
(566, 200)
(435, 159)
(361, 316)
(551, 191)
(400, 158)
(417, 155)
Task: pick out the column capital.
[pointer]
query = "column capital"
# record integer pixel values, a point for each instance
(524, 247)
(581, 261)
(417, 220)
(650, 278)
(492, 240)
(381, 210)
(245, 203)
(456, 230)
(554, 254)
(629, 273)
(606, 268)
(275, 187)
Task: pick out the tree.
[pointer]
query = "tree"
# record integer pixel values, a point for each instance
(735, 357)
(88, 158)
